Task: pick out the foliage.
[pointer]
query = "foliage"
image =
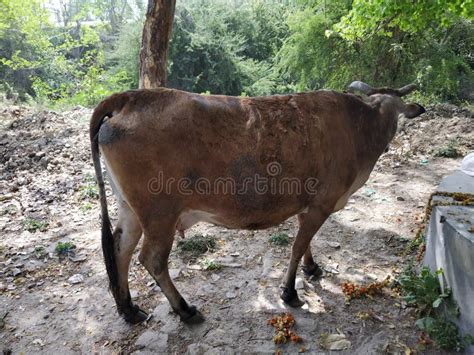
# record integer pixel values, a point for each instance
(279, 239)
(89, 190)
(197, 245)
(83, 50)
(383, 43)
(211, 265)
(227, 50)
(64, 248)
(40, 252)
(34, 225)
(436, 307)
(60, 64)
(449, 151)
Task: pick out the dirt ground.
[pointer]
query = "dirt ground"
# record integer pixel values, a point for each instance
(51, 304)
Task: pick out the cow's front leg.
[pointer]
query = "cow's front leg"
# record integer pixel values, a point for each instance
(310, 268)
(159, 236)
(309, 224)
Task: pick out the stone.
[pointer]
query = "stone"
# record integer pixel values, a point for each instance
(299, 283)
(76, 279)
(197, 349)
(230, 295)
(16, 272)
(134, 294)
(174, 273)
(334, 245)
(153, 341)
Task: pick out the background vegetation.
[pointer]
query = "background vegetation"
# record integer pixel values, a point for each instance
(69, 52)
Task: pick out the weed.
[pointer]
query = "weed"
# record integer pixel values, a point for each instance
(89, 190)
(449, 151)
(64, 248)
(211, 265)
(87, 206)
(279, 239)
(435, 307)
(444, 333)
(10, 209)
(40, 252)
(197, 244)
(34, 225)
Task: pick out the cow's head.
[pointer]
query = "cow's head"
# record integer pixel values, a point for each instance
(391, 97)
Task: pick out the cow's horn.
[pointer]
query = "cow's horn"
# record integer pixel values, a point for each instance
(362, 87)
(407, 89)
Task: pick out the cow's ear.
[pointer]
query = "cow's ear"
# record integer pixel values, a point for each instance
(413, 110)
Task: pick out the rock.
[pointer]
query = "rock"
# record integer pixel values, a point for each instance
(38, 342)
(16, 272)
(21, 181)
(400, 198)
(162, 311)
(197, 349)
(334, 245)
(230, 295)
(44, 161)
(299, 283)
(3, 287)
(77, 258)
(153, 341)
(134, 294)
(174, 273)
(6, 197)
(215, 277)
(76, 279)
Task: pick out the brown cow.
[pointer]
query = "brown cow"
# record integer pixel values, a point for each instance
(177, 158)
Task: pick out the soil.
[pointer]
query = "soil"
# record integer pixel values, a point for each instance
(52, 303)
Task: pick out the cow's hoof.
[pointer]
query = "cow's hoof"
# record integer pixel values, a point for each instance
(313, 272)
(135, 315)
(290, 297)
(192, 316)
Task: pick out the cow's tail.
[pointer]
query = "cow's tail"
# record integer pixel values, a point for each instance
(106, 108)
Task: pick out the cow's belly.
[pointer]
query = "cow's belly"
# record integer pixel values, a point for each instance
(189, 218)
(356, 185)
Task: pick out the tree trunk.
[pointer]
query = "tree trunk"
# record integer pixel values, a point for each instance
(154, 50)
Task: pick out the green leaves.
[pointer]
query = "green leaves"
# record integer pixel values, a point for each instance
(436, 308)
(381, 17)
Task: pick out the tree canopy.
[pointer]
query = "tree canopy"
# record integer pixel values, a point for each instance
(78, 51)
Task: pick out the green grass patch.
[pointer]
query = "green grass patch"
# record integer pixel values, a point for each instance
(211, 265)
(449, 151)
(279, 239)
(40, 252)
(62, 249)
(197, 245)
(35, 225)
(89, 189)
(85, 207)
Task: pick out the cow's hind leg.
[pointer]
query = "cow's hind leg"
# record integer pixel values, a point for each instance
(310, 268)
(126, 235)
(159, 236)
(309, 224)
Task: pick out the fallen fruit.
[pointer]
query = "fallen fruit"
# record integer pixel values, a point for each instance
(352, 290)
(282, 324)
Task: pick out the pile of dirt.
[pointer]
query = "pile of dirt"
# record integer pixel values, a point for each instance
(441, 126)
